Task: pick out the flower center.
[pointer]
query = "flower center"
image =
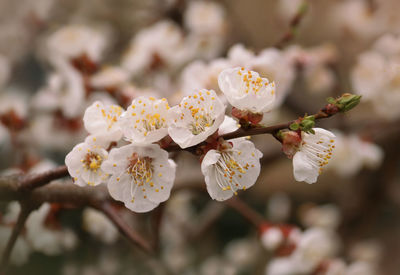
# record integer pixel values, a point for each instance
(202, 120)
(111, 115)
(229, 171)
(152, 122)
(319, 153)
(250, 83)
(141, 171)
(92, 161)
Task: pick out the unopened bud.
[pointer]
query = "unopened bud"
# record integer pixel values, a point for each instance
(344, 103)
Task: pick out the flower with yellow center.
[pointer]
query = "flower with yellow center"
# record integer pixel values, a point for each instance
(84, 163)
(197, 117)
(145, 120)
(142, 176)
(246, 90)
(103, 121)
(235, 166)
(314, 153)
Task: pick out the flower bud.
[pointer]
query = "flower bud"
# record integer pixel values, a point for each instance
(346, 102)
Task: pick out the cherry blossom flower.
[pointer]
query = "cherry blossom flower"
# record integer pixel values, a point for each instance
(63, 87)
(146, 52)
(197, 117)
(234, 166)
(142, 176)
(313, 154)
(145, 120)
(21, 251)
(44, 239)
(353, 153)
(109, 77)
(246, 90)
(99, 225)
(84, 163)
(72, 41)
(205, 17)
(315, 245)
(103, 121)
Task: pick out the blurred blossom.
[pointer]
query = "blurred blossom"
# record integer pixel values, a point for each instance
(21, 251)
(240, 253)
(352, 154)
(74, 41)
(376, 76)
(368, 251)
(146, 53)
(50, 241)
(99, 226)
(205, 18)
(324, 216)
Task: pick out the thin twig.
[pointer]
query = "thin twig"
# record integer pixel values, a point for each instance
(293, 25)
(124, 228)
(157, 223)
(37, 180)
(246, 211)
(26, 209)
(208, 217)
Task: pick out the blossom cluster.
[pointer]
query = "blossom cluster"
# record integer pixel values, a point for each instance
(127, 149)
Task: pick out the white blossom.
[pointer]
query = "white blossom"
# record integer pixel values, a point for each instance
(109, 77)
(376, 77)
(315, 245)
(197, 117)
(72, 41)
(272, 238)
(64, 90)
(146, 51)
(84, 163)
(275, 64)
(44, 239)
(281, 266)
(103, 121)
(324, 216)
(361, 268)
(246, 90)
(313, 154)
(21, 250)
(99, 225)
(352, 154)
(145, 120)
(235, 166)
(204, 17)
(142, 176)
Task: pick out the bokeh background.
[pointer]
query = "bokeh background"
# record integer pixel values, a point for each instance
(57, 57)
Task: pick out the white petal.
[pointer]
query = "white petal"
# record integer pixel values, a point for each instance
(303, 170)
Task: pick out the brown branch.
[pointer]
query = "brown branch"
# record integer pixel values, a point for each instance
(124, 228)
(246, 211)
(268, 130)
(157, 218)
(293, 25)
(208, 217)
(30, 182)
(26, 209)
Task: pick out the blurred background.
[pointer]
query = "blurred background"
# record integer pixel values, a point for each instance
(57, 57)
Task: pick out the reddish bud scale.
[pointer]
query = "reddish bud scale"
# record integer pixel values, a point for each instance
(290, 142)
(246, 116)
(12, 121)
(331, 109)
(52, 219)
(71, 124)
(84, 64)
